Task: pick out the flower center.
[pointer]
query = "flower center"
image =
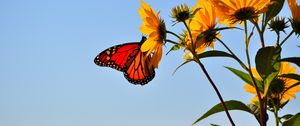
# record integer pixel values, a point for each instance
(244, 14)
(162, 30)
(277, 86)
(181, 13)
(210, 37)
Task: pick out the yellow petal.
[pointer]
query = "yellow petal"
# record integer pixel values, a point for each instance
(147, 45)
(156, 57)
(254, 99)
(188, 56)
(249, 88)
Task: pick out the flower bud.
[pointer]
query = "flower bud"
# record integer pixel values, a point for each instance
(278, 24)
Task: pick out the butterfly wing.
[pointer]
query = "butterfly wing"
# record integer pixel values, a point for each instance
(137, 70)
(129, 59)
(116, 56)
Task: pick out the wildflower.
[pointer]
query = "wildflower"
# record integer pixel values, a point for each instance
(278, 24)
(281, 89)
(155, 28)
(204, 20)
(181, 13)
(231, 12)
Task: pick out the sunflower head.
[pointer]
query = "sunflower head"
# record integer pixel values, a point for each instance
(277, 86)
(208, 37)
(154, 27)
(281, 89)
(181, 13)
(237, 11)
(242, 14)
(202, 26)
(162, 30)
(278, 24)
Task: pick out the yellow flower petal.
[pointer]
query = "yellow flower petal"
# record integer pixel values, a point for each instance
(254, 99)
(249, 88)
(152, 27)
(287, 91)
(147, 45)
(227, 10)
(156, 57)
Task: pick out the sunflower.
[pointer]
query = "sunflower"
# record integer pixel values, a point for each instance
(204, 20)
(295, 9)
(281, 89)
(155, 28)
(231, 12)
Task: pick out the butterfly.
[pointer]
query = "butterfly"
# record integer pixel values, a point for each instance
(129, 59)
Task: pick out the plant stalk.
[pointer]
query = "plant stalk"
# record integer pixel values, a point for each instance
(261, 34)
(192, 50)
(286, 38)
(172, 33)
(215, 88)
(261, 103)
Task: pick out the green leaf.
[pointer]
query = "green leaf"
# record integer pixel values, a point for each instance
(214, 124)
(286, 117)
(231, 105)
(269, 80)
(295, 60)
(291, 76)
(267, 65)
(266, 61)
(213, 53)
(174, 48)
(293, 121)
(181, 65)
(274, 9)
(245, 77)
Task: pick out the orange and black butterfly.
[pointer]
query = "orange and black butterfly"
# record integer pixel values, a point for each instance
(129, 59)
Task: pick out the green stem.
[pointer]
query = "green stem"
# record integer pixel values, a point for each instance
(172, 33)
(207, 75)
(276, 108)
(276, 112)
(261, 34)
(262, 111)
(276, 116)
(286, 38)
(173, 42)
(234, 56)
(190, 34)
(278, 38)
(214, 87)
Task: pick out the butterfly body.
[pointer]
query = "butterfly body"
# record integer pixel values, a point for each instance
(129, 59)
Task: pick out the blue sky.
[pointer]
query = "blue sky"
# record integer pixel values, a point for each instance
(48, 77)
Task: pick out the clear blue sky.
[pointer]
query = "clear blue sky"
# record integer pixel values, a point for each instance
(48, 78)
